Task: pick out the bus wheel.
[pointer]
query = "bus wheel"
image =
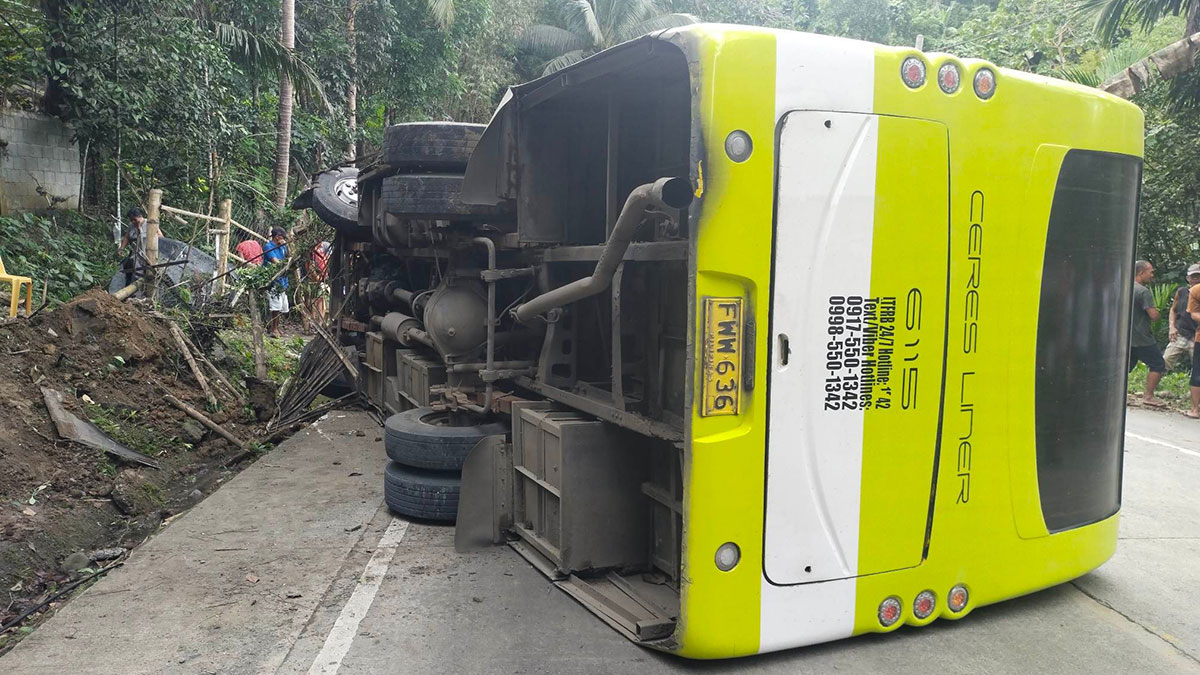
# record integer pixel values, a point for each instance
(418, 493)
(335, 197)
(434, 196)
(429, 146)
(427, 439)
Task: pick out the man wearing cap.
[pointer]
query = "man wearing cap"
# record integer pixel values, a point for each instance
(1183, 329)
(1142, 346)
(275, 253)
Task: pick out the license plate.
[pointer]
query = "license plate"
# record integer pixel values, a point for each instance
(723, 326)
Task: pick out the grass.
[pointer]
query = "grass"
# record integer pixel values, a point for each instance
(1173, 388)
(282, 354)
(125, 428)
(153, 493)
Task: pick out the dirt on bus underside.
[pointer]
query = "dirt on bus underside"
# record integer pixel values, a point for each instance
(64, 505)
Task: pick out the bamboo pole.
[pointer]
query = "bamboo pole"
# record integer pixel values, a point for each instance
(187, 355)
(126, 292)
(260, 362)
(152, 233)
(221, 244)
(217, 374)
(200, 417)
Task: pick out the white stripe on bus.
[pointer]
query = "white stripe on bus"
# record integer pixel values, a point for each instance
(814, 72)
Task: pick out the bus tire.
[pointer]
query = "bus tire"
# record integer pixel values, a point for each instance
(429, 146)
(419, 493)
(335, 197)
(434, 196)
(422, 438)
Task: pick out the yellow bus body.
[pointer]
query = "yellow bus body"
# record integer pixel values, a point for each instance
(1009, 148)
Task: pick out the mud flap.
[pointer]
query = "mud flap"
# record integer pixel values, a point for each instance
(485, 501)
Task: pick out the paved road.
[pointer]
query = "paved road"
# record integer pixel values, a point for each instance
(294, 568)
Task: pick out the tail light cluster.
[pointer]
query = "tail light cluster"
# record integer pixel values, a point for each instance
(949, 77)
(891, 610)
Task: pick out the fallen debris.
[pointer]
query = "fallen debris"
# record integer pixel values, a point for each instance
(200, 417)
(187, 355)
(61, 592)
(103, 554)
(72, 428)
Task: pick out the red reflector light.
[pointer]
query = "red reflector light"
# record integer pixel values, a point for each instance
(912, 71)
(924, 604)
(889, 611)
(985, 83)
(949, 78)
(957, 599)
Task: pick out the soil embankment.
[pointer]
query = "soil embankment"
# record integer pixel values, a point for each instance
(61, 501)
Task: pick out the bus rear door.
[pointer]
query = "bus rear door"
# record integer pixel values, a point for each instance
(858, 324)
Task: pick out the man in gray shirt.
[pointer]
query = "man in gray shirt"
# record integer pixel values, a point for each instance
(135, 240)
(1142, 346)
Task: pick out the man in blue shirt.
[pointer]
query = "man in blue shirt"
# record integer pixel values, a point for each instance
(276, 253)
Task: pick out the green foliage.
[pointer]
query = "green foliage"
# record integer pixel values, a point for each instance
(125, 427)
(1170, 203)
(1163, 294)
(282, 354)
(1112, 16)
(70, 252)
(1172, 388)
(583, 27)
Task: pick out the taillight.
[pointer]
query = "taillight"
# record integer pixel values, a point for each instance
(912, 71)
(957, 599)
(985, 83)
(949, 78)
(924, 604)
(889, 611)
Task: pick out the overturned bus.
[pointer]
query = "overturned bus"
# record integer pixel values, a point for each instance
(753, 339)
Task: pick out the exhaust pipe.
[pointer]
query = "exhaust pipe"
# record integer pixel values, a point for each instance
(672, 193)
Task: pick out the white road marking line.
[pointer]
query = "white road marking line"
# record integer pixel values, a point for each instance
(1155, 441)
(337, 644)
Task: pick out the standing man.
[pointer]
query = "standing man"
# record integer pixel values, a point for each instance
(1142, 346)
(316, 271)
(135, 240)
(1193, 308)
(1183, 328)
(277, 300)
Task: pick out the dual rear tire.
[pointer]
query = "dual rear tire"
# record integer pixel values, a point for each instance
(423, 166)
(427, 450)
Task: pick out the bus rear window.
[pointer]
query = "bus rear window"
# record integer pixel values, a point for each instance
(1083, 338)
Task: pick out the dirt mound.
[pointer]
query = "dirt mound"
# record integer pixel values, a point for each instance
(111, 362)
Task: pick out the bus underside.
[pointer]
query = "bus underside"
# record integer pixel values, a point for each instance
(557, 306)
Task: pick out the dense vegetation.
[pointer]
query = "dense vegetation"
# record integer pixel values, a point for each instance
(185, 95)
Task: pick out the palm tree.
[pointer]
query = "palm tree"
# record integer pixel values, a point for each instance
(283, 129)
(1112, 14)
(588, 26)
(1175, 59)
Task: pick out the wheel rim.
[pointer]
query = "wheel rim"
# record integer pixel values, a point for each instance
(346, 191)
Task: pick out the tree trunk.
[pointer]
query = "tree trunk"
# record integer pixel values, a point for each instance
(1193, 19)
(54, 96)
(283, 131)
(1170, 61)
(352, 85)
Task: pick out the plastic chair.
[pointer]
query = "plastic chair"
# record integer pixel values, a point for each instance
(16, 282)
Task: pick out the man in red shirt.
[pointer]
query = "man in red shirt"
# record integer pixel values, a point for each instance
(250, 251)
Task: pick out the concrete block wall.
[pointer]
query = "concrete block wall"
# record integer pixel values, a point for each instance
(39, 150)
